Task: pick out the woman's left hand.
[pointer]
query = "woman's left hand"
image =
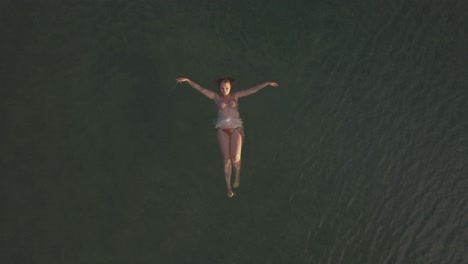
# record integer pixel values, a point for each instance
(182, 79)
(272, 84)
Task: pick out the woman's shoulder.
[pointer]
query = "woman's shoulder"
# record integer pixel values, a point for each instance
(235, 95)
(216, 97)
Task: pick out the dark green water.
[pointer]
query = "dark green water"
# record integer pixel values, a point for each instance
(360, 156)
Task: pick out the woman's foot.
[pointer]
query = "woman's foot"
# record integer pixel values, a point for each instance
(235, 185)
(231, 194)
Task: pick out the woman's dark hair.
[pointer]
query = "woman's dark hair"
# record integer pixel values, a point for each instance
(220, 80)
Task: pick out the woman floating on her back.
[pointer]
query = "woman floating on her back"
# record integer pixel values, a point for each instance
(229, 124)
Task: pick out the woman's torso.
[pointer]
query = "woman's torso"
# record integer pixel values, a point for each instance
(227, 107)
(228, 112)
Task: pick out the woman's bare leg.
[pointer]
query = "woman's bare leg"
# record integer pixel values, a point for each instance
(235, 153)
(223, 140)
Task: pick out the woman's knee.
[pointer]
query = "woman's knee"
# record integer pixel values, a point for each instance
(236, 161)
(227, 161)
(236, 157)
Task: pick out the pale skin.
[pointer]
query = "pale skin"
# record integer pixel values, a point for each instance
(230, 145)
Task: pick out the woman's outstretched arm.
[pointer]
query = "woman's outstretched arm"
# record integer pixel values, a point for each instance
(205, 92)
(255, 89)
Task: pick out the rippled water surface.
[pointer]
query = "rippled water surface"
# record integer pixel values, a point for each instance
(360, 156)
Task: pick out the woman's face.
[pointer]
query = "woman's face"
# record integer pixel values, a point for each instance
(225, 87)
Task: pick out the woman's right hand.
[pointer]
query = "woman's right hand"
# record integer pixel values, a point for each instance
(181, 80)
(273, 84)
